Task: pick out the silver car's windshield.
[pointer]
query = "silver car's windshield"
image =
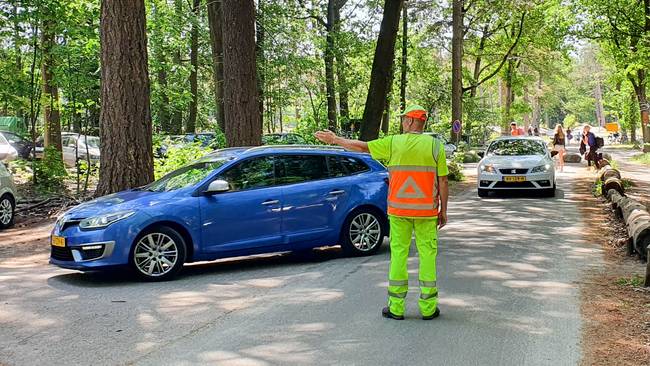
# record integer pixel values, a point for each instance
(516, 147)
(186, 176)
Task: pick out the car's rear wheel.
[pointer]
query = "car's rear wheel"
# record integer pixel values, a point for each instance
(7, 211)
(158, 254)
(363, 232)
(483, 192)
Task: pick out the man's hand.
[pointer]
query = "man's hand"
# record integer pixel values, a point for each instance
(326, 136)
(442, 219)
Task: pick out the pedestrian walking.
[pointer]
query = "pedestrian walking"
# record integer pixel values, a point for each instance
(417, 201)
(530, 130)
(588, 145)
(559, 145)
(569, 136)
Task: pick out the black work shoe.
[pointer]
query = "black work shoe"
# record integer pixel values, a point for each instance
(432, 316)
(385, 312)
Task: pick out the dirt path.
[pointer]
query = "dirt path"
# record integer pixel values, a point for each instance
(615, 308)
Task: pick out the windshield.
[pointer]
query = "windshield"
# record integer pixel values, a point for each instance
(3, 140)
(186, 176)
(516, 147)
(91, 141)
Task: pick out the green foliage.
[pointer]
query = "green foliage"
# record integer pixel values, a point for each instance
(634, 281)
(178, 157)
(455, 166)
(470, 157)
(642, 158)
(50, 171)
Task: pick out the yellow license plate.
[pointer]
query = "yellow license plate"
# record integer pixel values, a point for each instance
(58, 241)
(515, 179)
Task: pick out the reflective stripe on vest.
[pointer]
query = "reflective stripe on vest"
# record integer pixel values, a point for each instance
(413, 191)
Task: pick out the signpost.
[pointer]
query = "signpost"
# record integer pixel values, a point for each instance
(456, 127)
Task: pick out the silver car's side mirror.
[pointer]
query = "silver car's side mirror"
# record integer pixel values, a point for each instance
(218, 186)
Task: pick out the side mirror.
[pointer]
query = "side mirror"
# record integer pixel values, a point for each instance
(553, 153)
(480, 153)
(218, 186)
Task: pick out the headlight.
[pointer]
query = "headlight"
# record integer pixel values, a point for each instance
(487, 169)
(541, 169)
(102, 221)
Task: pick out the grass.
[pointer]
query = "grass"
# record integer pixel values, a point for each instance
(642, 158)
(635, 281)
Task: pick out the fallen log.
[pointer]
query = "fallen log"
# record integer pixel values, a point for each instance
(608, 172)
(628, 206)
(612, 183)
(601, 163)
(639, 230)
(572, 158)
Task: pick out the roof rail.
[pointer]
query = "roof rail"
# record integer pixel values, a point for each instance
(315, 147)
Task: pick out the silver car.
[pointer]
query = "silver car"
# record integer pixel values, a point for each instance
(7, 198)
(78, 147)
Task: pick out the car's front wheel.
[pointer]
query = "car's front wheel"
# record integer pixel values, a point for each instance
(7, 211)
(363, 232)
(158, 254)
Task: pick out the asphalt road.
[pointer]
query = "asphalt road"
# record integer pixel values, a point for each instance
(508, 273)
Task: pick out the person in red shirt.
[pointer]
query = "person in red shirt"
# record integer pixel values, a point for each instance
(516, 131)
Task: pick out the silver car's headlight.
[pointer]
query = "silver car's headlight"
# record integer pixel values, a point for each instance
(487, 169)
(102, 221)
(541, 169)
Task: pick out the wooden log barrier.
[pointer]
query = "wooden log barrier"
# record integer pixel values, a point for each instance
(608, 172)
(612, 183)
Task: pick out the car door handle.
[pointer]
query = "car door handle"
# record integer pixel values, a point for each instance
(337, 191)
(270, 202)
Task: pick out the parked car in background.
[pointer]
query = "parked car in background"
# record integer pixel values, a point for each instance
(450, 148)
(7, 152)
(22, 145)
(232, 202)
(283, 139)
(7, 198)
(77, 147)
(516, 163)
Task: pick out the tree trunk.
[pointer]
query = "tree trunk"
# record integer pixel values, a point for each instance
(457, 66)
(479, 60)
(52, 117)
(177, 115)
(125, 121)
(19, 61)
(261, 63)
(640, 91)
(341, 69)
(632, 120)
(600, 112)
(190, 127)
(163, 111)
(404, 64)
(241, 99)
(508, 96)
(382, 64)
(526, 117)
(216, 41)
(329, 66)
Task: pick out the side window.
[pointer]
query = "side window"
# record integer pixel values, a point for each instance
(249, 174)
(353, 165)
(336, 168)
(301, 168)
(64, 141)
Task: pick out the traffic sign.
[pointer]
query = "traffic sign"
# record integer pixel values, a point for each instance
(456, 126)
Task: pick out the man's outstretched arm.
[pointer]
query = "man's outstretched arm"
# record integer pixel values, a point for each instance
(330, 137)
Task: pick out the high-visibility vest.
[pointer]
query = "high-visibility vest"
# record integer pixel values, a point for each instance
(413, 189)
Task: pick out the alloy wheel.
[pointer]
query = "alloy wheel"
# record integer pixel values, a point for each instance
(155, 254)
(365, 232)
(6, 211)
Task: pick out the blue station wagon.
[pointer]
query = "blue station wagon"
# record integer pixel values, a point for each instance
(232, 202)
